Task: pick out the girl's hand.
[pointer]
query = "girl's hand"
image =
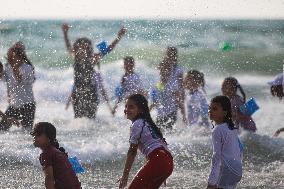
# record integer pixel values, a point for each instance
(123, 182)
(65, 27)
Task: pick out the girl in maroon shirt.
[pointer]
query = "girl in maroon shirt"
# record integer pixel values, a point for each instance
(54, 160)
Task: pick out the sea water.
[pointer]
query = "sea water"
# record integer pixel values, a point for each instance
(257, 50)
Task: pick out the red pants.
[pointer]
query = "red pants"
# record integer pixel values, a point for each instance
(157, 169)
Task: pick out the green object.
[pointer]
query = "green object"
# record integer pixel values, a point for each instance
(160, 86)
(225, 46)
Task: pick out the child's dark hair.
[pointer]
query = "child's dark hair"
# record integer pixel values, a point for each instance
(20, 50)
(277, 90)
(234, 82)
(172, 53)
(89, 48)
(129, 60)
(50, 131)
(226, 106)
(142, 104)
(198, 77)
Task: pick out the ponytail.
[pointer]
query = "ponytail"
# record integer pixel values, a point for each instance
(55, 144)
(152, 124)
(229, 121)
(242, 91)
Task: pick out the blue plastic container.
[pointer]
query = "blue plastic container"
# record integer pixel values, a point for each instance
(76, 166)
(154, 95)
(118, 91)
(250, 107)
(102, 47)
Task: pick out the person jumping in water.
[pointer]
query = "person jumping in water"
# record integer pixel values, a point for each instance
(85, 94)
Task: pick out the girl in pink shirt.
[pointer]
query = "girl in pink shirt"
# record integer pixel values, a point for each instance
(147, 137)
(230, 87)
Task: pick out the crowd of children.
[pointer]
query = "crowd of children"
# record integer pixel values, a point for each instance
(172, 93)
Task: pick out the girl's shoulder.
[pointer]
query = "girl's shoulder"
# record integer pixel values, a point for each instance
(138, 123)
(237, 100)
(220, 128)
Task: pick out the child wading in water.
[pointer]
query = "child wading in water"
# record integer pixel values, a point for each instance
(19, 75)
(166, 99)
(145, 135)
(130, 83)
(54, 160)
(85, 95)
(226, 166)
(196, 103)
(229, 88)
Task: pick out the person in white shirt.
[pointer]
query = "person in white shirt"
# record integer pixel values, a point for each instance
(130, 82)
(226, 164)
(175, 76)
(19, 76)
(147, 137)
(166, 99)
(195, 100)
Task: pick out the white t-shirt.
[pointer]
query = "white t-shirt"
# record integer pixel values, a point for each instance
(226, 150)
(146, 138)
(197, 108)
(174, 77)
(166, 100)
(131, 84)
(20, 93)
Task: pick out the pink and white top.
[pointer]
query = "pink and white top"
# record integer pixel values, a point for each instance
(226, 150)
(147, 139)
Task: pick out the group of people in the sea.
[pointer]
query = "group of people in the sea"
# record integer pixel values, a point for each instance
(176, 91)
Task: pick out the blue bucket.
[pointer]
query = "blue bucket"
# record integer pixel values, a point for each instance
(102, 47)
(250, 107)
(118, 91)
(154, 95)
(76, 166)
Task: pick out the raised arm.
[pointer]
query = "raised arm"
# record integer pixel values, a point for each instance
(120, 34)
(65, 28)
